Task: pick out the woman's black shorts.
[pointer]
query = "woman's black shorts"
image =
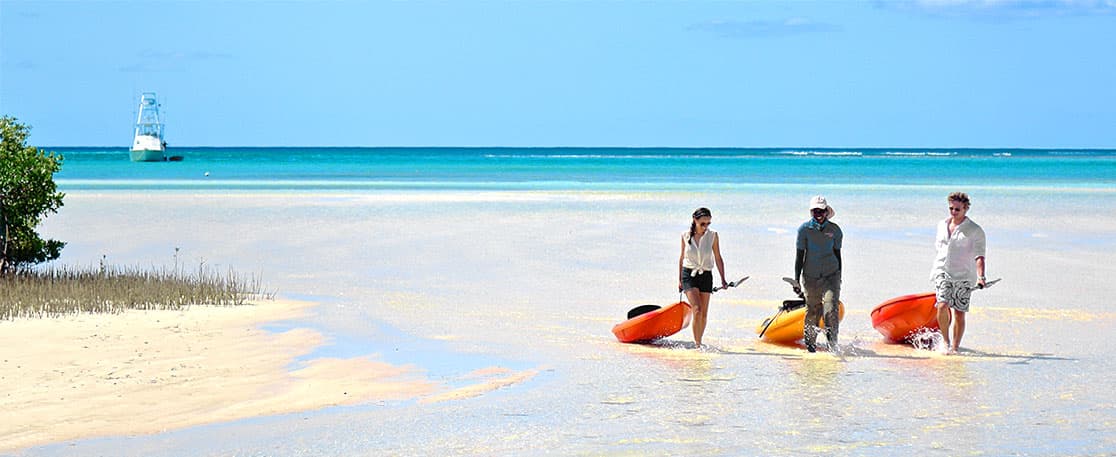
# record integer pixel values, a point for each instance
(703, 281)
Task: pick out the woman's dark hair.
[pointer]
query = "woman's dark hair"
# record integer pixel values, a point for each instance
(698, 214)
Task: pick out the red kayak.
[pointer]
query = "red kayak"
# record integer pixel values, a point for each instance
(659, 323)
(901, 318)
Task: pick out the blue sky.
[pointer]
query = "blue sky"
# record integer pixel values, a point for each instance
(947, 73)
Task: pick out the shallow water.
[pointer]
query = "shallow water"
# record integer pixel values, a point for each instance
(458, 281)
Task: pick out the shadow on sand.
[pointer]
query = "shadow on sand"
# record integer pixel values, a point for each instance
(794, 351)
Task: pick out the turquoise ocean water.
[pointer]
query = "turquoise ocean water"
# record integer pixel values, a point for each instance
(613, 169)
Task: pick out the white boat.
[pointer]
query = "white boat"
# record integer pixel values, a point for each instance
(148, 144)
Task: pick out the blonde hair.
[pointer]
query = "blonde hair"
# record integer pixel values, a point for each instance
(960, 197)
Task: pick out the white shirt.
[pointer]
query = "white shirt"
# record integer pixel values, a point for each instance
(699, 258)
(957, 253)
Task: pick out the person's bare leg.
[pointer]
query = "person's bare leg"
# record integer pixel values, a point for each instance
(958, 329)
(699, 326)
(943, 323)
(693, 295)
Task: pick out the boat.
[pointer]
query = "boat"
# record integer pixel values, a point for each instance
(148, 144)
(647, 323)
(789, 323)
(902, 318)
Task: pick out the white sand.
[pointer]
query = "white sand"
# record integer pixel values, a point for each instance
(150, 371)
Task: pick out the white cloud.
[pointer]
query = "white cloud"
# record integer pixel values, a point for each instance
(1004, 9)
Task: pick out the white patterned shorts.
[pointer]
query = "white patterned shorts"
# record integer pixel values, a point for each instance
(954, 293)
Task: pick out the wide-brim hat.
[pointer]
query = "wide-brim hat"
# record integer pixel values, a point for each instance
(818, 202)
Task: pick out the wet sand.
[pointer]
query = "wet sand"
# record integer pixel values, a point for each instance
(503, 302)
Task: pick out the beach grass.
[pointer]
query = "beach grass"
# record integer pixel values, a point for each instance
(57, 291)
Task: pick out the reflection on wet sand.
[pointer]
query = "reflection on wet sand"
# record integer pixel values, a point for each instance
(547, 290)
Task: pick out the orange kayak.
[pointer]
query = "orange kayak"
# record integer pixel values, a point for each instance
(787, 327)
(659, 323)
(902, 317)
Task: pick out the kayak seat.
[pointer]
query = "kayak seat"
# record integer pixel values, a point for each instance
(791, 305)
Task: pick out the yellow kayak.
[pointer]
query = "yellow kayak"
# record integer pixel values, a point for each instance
(787, 325)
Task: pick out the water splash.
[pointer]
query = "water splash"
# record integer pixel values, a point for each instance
(927, 340)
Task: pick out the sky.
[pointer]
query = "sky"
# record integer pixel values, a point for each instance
(945, 73)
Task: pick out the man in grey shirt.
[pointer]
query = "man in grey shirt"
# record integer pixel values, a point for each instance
(817, 267)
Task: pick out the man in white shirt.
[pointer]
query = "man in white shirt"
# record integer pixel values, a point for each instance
(958, 269)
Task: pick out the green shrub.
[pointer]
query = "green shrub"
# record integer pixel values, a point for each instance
(27, 194)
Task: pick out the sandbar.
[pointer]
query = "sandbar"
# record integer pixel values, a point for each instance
(142, 372)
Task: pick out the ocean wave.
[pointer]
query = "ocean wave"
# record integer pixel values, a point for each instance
(764, 152)
(119, 152)
(920, 153)
(621, 156)
(1082, 152)
(822, 153)
(583, 156)
(697, 155)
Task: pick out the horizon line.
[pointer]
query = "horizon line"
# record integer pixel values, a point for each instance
(854, 148)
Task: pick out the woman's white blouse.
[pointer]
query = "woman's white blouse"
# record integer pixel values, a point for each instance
(699, 258)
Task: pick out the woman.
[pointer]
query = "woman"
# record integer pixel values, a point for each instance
(700, 250)
(958, 269)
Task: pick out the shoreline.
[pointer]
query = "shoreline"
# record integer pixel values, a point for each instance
(484, 191)
(145, 372)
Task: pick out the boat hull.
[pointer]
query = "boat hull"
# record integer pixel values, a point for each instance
(660, 323)
(148, 156)
(148, 148)
(787, 327)
(901, 318)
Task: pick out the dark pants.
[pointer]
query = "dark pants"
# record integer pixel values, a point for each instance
(822, 297)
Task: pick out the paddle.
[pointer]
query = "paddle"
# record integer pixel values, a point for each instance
(784, 307)
(987, 284)
(644, 309)
(794, 285)
(732, 284)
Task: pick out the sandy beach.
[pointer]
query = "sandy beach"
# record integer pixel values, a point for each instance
(467, 323)
(150, 371)
(143, 372)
